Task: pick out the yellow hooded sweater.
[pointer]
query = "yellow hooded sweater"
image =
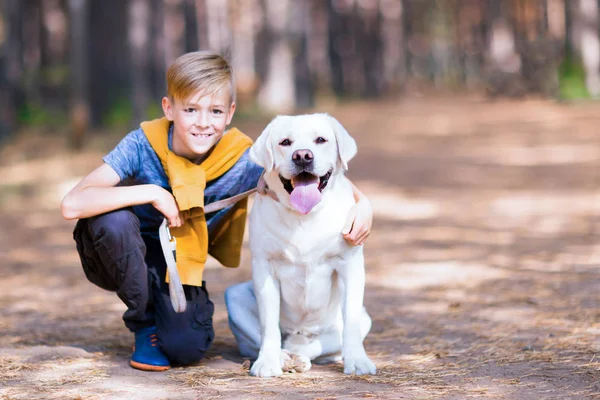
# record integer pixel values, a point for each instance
(188, 181)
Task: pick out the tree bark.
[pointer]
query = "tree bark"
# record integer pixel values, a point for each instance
(504, 63)
(218, 26)
(11, 67)
(589, 44)
(54, 43)
(501, 41)
(392, 37)
(318, 42)
(191, 26)
(108, 59)
(555, 10)
(54, 33)
(245, 18)
(342, 45)
(79, 108)
(370, 47)
(201, 29)
(277, 92)
(355, 48)
(158, 80)
(174, 30)
(300, 26)
(139, 44)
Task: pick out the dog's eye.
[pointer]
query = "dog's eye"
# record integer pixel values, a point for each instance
(285, 142)
(320, 140)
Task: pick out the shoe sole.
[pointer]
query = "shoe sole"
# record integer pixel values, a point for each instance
(148, 367)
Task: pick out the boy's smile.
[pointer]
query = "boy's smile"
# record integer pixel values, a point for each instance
(198, 122)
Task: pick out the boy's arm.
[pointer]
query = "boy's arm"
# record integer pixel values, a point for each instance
(360, 219)
(97, 193)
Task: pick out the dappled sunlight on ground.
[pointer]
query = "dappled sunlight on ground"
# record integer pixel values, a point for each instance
(415, 276)
(483, 266)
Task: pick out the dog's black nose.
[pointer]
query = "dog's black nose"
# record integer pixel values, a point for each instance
(303, 158)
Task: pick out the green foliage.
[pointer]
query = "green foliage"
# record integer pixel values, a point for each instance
(153, 111)
(119, 115)
(571, 78)
(35, 115)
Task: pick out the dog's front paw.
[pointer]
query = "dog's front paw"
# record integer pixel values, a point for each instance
(266, 367)
(360, 365)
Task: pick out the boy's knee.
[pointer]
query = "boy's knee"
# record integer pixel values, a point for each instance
(116, 228)
(230, 294)
(189, 347)
(238, 295)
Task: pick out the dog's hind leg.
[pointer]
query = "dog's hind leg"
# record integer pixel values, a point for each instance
(326, 358)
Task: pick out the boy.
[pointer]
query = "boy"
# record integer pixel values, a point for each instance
(170, 168)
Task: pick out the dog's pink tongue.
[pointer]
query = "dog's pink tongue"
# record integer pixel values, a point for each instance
(305, 196)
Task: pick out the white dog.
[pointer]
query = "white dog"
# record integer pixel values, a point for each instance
(308, 281)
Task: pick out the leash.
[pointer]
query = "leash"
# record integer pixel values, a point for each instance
(261, 188)
(169, 243)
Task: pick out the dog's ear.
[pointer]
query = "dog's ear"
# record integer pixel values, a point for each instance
(345, 143)
(261, 151)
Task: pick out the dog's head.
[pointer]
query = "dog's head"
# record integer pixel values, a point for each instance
(306, 152)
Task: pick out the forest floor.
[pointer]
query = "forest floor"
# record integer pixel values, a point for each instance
(483, 266)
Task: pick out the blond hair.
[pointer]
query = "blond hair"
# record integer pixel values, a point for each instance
(199, 71)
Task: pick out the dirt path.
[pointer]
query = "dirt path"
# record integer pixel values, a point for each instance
(483, 277)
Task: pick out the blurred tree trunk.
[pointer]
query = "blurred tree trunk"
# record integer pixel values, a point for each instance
(54, 55)
(158, 81)
(589, 43)
(542, 20)
(31, 42)
(217, 25)
(201, 29)
(342, 45)
(54, 33)
(245, 19)
(392, 37)
(370, 47)
(174, 30)
(444, 47)
(11, 66)
(504, 62)
(555, 10)
(140, 52)
(501, 40)
(277, 92)
(318, 42)
(78, 65)
(300, 27)
(108, 62)
(191, 26)
(569, 45)
(355, 47)
(470, 38)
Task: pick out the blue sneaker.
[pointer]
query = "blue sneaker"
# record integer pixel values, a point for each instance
(146, 354)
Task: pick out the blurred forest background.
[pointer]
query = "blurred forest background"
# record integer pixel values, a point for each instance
(101, 63)
(483, 266)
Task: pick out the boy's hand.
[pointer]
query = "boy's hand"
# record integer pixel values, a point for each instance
(164, 202)
(358, 223)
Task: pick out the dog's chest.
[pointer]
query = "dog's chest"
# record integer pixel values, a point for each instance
(308, 289)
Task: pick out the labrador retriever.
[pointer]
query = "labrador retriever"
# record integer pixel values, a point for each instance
(308, 281)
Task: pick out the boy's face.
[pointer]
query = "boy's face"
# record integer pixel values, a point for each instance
(198, 122)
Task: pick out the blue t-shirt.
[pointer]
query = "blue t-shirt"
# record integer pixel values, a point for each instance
(136, 162)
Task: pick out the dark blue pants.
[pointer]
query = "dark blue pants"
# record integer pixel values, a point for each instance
(116, 257)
